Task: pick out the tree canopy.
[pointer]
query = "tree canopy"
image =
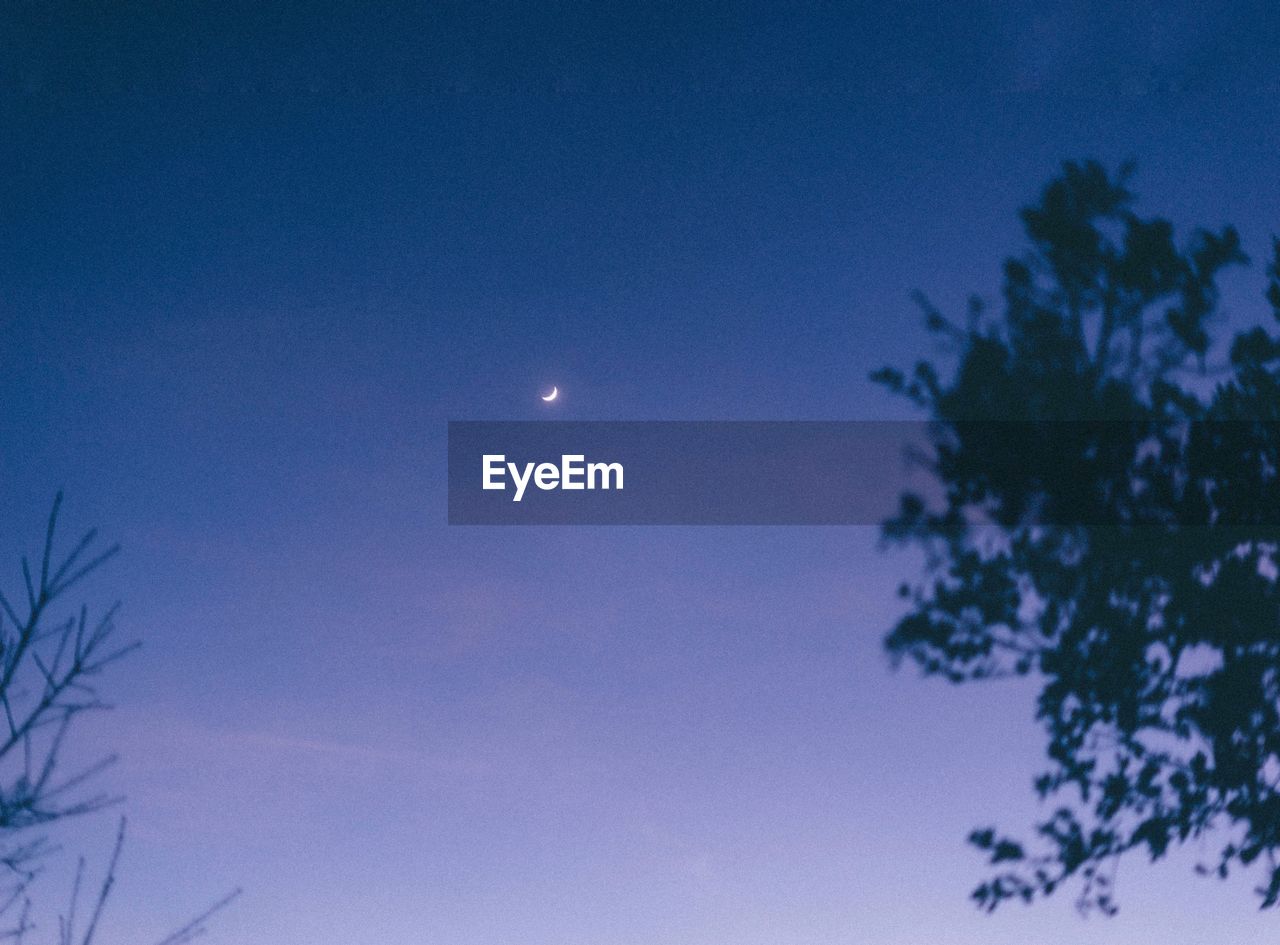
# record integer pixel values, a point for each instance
(1108, 524)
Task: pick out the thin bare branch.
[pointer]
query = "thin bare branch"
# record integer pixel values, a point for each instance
(196, 926)
(48, 542)
(107, 883)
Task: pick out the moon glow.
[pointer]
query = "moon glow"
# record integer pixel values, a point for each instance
(555, 392)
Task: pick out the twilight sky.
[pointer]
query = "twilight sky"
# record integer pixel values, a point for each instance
(255, 256)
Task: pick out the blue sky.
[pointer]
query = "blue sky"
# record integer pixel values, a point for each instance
(255, 258)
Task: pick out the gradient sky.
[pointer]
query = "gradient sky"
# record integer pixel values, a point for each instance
(255, 256)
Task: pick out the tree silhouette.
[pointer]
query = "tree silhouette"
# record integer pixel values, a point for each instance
(1108, 523)
(48, 670)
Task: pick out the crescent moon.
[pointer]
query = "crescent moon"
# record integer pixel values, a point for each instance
(555, 392)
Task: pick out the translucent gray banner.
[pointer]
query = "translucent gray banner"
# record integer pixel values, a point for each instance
(677, 473)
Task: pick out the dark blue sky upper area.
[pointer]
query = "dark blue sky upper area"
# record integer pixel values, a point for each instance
(650, 187)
